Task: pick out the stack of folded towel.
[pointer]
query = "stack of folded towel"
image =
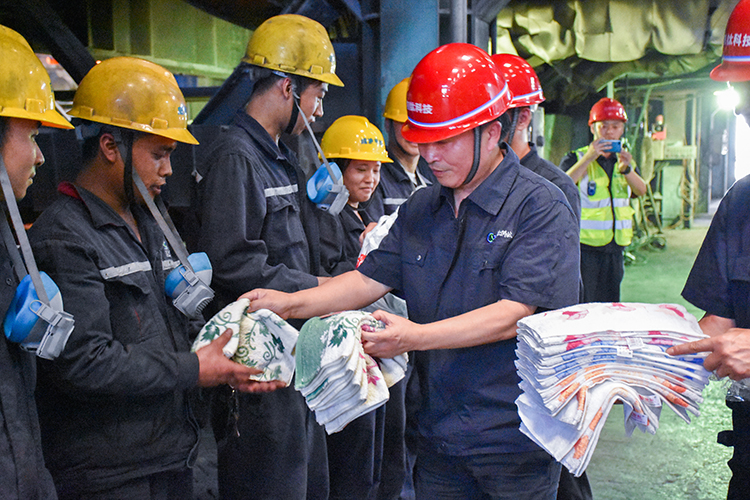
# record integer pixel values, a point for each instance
(575, 363)
(339, 381)
(260, 339)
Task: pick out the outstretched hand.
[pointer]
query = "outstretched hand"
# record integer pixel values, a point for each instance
(216, 369)
(397, 337)
(730, 353)
(273, 300)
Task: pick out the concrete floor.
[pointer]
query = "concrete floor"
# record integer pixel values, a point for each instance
(682, 461)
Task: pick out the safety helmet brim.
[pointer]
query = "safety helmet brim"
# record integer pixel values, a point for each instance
(729, 71)
(419, 135)
(49, 118)
(362, 157)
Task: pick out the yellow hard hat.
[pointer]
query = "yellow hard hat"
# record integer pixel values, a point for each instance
(354, 138)
(25, 89)
(294, 44)
(135, 94)
(395, 103)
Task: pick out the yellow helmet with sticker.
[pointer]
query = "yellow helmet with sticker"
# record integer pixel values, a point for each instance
(135, 94)
(294, 44)
(354, 138)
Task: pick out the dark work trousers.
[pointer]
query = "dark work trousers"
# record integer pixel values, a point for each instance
(393, 472)
(739, 438)
(573, 488)
(169, 485)
(602, 273)
(531, 475)
(412, 401)
(355, 456)
(277, 425)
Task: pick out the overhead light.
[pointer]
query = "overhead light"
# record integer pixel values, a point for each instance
(727, 98)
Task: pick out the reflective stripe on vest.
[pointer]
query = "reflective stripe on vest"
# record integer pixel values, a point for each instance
(597, 224)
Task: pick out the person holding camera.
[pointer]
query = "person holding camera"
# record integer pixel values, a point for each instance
(606, 177)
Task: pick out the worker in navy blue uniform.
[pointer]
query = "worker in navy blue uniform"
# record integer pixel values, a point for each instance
(719, 282)
(527, 95)
(355, 454)
(489, 245)
(407, 171)
(116, 406)
(26, 102)
(259, 229)
(606, 181)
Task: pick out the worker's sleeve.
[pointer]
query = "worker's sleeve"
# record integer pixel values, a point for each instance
(233, 214)
(568, 161)
(708, 285)
(332, 244)
(542, 264)
(94, 361)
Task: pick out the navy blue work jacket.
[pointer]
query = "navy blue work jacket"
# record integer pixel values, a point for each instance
(396, 186)
(257, 225)
(719, 282)
(22, 472)
(556, 176)
(515, 238)
(114, 405)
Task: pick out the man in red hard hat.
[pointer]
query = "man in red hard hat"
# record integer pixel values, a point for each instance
(718, 282)
(527, 95)
(471, 255)
(606, 178)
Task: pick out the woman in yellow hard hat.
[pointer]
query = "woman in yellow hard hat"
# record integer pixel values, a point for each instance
(357, 147)
(355, 454)
(26, 102)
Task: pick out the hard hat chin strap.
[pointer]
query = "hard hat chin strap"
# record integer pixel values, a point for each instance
(513, 124)
(124, 140)
(295, 105)
(475, 161)
(295, 112)
(392, 133)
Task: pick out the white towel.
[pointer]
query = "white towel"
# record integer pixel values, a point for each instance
(260, 339)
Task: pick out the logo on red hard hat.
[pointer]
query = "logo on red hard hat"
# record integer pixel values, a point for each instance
(453, 89)
(735, 64)
(607, 109)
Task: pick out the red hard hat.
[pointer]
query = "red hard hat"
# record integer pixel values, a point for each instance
(607, 109)
(521, 78)
(735, 61)
(453, 89)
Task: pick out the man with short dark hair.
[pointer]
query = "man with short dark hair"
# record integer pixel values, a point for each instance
(489, 245)
(259, 230)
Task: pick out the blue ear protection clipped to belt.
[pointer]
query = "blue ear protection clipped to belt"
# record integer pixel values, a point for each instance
(37, 327)
(190, 289)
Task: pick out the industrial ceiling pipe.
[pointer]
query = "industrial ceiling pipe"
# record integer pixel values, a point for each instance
(459, 11)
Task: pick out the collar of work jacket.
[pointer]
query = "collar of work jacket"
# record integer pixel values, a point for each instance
(491, 194)
(262, 138)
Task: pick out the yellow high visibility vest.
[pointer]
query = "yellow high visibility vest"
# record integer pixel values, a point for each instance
(600, 222)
